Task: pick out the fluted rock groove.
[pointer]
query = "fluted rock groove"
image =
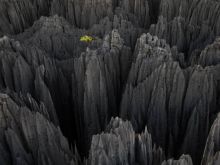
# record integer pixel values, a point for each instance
(145, 90)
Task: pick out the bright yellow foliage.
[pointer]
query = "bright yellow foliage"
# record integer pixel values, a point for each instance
(86, 38)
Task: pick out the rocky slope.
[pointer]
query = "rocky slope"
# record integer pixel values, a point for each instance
(145, 91)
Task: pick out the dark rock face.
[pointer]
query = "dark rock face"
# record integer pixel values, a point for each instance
(97, 98)
(121, 145)
(211, 153)
(184, 160)
(145, 91)
(190, 25)
(17, 15)
(27, 135)
(165, 97)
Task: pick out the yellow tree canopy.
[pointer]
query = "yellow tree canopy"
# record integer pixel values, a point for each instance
(86, 38)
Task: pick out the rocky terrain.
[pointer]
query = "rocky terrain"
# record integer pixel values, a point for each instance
(145, 91)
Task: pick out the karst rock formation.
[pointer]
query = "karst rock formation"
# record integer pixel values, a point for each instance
(144, 91)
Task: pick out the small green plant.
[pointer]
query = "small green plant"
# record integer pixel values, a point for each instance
(86, 38)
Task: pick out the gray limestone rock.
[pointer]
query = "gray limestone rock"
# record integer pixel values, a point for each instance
(121, 145)
(30, 136)
(17, 15)
(97, 99)
(153, 63)
(211, 152)
(210, 55)
(184, 160)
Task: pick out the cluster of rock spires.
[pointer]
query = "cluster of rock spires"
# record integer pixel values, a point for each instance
(145, 91)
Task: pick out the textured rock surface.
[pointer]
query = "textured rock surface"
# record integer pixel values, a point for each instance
(184, 160)
(145, 91)
(211, 153)
(210, 55)
(120, 145)
(16, 15)
(27, 136)
(165, 97)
